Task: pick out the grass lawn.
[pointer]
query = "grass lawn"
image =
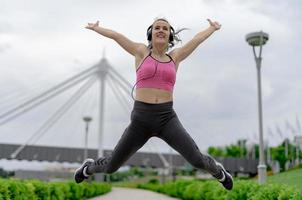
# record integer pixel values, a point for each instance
(292, 177)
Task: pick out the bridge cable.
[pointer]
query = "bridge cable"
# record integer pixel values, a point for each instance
(54, 118)
(38, 100)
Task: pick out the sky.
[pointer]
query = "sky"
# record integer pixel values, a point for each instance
(215, 96)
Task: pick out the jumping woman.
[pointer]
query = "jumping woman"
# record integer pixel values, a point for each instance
(153, 113)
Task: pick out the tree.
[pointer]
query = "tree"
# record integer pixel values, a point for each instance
(216, 151)
(6, 174)
(279, 155)
(233, 151)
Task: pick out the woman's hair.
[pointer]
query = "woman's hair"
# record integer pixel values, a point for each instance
(173, 37)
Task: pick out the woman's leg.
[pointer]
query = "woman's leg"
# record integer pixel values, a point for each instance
(133, 138)
(177, 137)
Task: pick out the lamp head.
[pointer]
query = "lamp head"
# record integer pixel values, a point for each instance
(257, 38)
(87, 119)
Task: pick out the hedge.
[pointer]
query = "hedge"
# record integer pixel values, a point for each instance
(38, 190)
(212, 190)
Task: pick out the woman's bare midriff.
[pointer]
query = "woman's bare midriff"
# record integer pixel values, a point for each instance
(152, 95)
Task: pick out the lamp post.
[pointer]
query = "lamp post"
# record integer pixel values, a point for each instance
(259, 39)
(86, 119)
(171, 163)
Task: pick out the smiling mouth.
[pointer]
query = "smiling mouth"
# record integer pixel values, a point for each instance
(160, 36)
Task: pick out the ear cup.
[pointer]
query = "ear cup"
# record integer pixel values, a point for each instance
(171, 36)
(149, 33)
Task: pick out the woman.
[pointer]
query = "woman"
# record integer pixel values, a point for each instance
(153, 113)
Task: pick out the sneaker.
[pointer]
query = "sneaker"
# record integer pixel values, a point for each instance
(227, 180)
(79, 173)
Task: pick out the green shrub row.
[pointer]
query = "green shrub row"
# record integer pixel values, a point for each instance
(37, 190)
(212, 190)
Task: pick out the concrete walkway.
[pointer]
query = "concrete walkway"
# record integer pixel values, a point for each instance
(132, 194)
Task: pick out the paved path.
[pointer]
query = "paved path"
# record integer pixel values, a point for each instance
(132, 194)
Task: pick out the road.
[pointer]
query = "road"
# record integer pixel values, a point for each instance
(132, 194)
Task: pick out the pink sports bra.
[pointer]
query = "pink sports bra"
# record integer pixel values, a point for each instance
(156, 74)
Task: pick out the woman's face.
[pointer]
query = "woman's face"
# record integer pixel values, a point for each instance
(161, 32)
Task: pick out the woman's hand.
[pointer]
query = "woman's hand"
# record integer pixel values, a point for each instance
(215, 25)
(92, 26)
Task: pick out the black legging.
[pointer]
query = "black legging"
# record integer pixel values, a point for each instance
(158, 120)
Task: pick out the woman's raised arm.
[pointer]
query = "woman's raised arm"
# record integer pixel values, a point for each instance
(179, 54)
(134, 48)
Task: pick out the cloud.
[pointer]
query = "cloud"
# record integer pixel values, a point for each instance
(4, 47)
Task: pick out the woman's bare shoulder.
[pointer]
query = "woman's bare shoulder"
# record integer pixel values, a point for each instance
(174, 55)
(143, 50)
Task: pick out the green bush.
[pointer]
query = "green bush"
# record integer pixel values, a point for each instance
(20, 190)
(242, 190)
(170, 189)
(154, 181)
(4, 190)
(275, 191)
(181, 186)
(192, 191)
(37, 190)
(59, 191)
(41, 190)
(76, 190)
(212, 190)
(202, 190)
(156, 187)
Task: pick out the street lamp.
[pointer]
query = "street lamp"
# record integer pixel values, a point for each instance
(259, 39)
(86, 119)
